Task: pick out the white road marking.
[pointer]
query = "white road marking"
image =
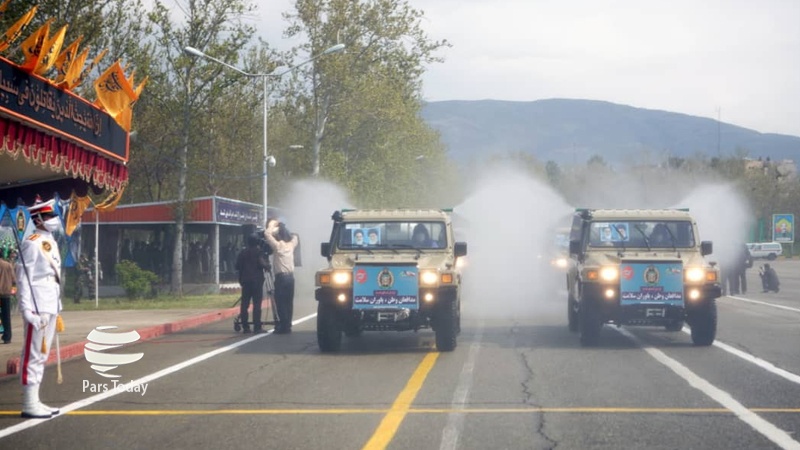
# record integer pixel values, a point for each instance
(143, 380)
(767, 429)
(455, 420)
(772, 305)
(764, 364)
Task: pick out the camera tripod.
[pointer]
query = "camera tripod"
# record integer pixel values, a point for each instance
(238, 324)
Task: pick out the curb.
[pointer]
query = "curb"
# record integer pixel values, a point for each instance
(76, 349)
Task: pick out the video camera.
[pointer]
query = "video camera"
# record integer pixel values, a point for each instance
(261, 242)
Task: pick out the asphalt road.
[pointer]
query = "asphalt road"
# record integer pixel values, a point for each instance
(519, 382)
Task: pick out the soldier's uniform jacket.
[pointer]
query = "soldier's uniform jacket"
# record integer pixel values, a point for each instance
(43, 262)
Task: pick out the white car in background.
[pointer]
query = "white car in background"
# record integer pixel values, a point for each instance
(766, 250)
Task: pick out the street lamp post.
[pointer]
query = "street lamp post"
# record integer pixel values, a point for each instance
(267, 159)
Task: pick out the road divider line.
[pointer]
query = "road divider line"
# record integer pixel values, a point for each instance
(366, 411)
(757, 302)
(402, 404)
(764, 364)
(767, 429)
(455, 420)
(30, 423)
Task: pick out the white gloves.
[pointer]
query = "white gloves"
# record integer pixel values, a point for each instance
(38, 322)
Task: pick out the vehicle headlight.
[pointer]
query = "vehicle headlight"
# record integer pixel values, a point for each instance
(695, 274)
(337, 278)
(609, 273)
(428, 277)
(560, 263)
(341, 278)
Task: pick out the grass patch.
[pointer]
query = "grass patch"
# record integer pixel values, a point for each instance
(162, 302)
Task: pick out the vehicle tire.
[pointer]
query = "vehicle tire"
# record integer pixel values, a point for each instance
(704, 324)
(772, 256)
(572, 315)
(675, 325)
(589, 324)
(447, 327)
(329, 332)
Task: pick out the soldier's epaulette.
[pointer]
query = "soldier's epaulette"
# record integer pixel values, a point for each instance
(34, 237)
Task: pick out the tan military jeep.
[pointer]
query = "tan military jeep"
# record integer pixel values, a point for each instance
(389, 270)
(640, 267)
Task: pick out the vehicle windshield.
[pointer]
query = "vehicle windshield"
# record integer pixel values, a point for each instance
(392, 235)
(647, 234)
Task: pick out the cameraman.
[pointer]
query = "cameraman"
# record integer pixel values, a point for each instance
(283, 244)
(251, 264)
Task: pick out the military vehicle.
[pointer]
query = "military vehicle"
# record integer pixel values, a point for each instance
(640, 267)
(392, 269)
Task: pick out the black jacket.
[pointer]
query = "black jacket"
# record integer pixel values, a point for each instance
(251, 264)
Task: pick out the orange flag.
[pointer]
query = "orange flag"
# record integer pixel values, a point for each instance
(32, 46)
(113, 90)
(74, 70)
(15, 31)
(76, 208)
(3, 8)
(88, 69)
(65, 60)
(50, 51)
(125, 118)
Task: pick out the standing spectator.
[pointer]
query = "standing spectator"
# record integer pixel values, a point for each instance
(743, 262)
(8, 287)
(39, 295)
(283, 244)
(251, 264)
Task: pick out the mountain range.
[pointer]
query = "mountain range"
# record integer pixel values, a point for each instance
(570, 131)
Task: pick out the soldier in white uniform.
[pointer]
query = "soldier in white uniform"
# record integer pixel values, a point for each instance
(39, 296)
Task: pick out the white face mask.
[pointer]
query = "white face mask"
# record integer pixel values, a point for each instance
(51, 224)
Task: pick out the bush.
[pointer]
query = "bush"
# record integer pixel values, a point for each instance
(136, 281)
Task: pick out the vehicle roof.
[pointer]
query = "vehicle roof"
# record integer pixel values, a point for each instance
(395, 214)
(644, 214)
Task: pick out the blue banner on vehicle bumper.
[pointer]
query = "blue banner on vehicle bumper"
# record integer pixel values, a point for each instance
(651, 283)
(381, 287)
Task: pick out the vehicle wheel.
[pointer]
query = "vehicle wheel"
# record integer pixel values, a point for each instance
(675, 325)
(329, 333)
(772, 256)
(572, 315)
(704, 324)
(447, 327)
(589, 324)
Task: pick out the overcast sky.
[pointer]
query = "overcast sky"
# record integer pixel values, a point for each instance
(738, 60)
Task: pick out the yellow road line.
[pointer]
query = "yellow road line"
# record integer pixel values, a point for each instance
(266, 412)
(402, 404)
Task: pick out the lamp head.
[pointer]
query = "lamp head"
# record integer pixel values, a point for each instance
(191, 51)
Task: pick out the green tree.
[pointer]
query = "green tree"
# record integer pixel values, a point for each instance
(190, 85)
(364, 104)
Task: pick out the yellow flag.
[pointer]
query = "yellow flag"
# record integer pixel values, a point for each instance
(16, 30)
(65, 59)
(32, 46)
(3, 8)
(74, 71)
(88, 69)
(113, 90)
(50, 50)
(125, 117)
(110, 202)
(76, 208)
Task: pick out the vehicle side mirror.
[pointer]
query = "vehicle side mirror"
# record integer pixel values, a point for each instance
(325, 249)
(574, 247)
(706, 248)
(460, 249)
